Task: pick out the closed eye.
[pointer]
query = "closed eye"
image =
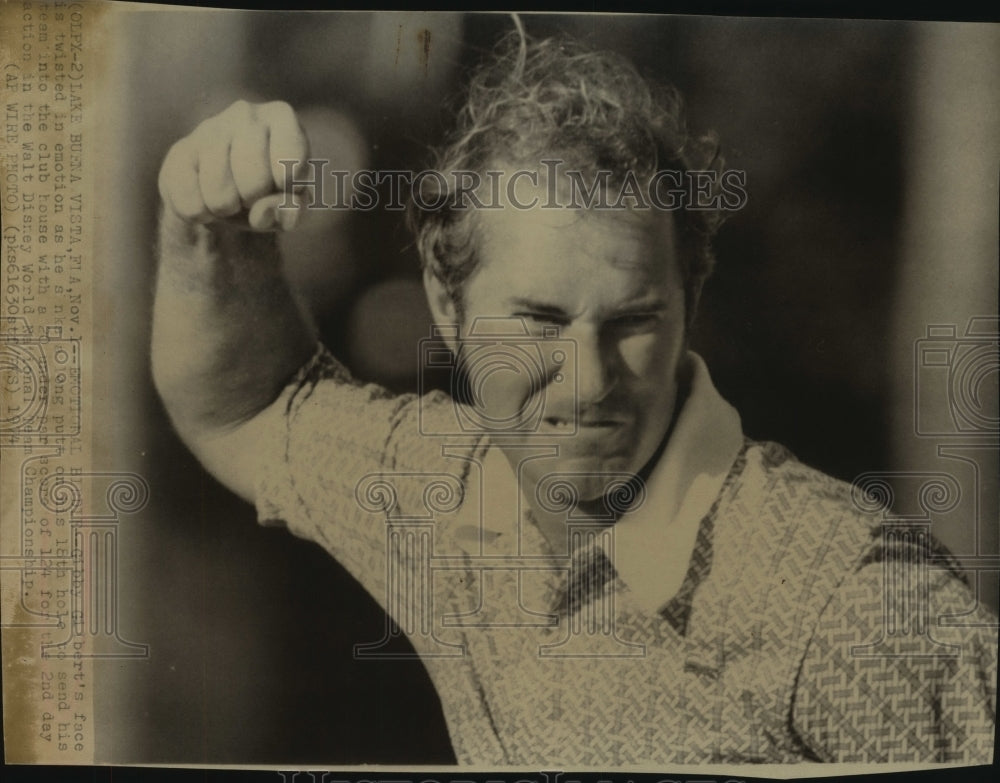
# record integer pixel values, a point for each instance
(638, 321)
(545, 318)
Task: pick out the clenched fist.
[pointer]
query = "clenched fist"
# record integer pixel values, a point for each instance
(228, 168)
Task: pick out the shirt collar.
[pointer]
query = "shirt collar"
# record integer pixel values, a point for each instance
(653, 543)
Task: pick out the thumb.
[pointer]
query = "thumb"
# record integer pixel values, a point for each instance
(272, 213)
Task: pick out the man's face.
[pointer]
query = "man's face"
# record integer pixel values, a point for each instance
(611, 282)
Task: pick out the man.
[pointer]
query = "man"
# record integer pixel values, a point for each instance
(595, 565)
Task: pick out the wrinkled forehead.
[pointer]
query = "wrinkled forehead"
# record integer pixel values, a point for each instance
(544, 209)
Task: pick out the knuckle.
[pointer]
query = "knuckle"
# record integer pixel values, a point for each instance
(177, 152)
(226, 123)
(241, 108)
(279, 109)
(209, 129)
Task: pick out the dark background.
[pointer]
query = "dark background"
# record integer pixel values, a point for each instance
(857, 137)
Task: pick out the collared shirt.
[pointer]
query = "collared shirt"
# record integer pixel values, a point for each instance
(653, 540)
(739, 614)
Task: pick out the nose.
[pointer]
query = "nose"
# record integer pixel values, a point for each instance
(596, 368)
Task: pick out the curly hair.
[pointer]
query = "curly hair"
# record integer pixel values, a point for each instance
(535, 99)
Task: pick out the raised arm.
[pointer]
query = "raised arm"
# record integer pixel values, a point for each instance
(227, 332)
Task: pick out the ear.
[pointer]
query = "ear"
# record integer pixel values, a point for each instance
(442, 308)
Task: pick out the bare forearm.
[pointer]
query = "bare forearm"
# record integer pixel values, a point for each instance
(227, 331)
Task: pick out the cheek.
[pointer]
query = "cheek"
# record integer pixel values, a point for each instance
(512, 383)
(504, 392)
(499, 383)
(651, 359)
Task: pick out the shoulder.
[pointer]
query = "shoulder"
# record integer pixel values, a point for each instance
(900, 666)
(330, 410)
(899, 658)
(334, 444)
(892, 657)
(841, 538)
(810, 524)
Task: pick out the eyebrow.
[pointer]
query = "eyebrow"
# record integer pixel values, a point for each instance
(651, 305)
(537, 306)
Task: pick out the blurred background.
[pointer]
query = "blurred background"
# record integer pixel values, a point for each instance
(871, 154)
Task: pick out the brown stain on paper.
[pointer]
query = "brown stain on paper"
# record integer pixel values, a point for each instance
(424, 41)
(23, 706)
